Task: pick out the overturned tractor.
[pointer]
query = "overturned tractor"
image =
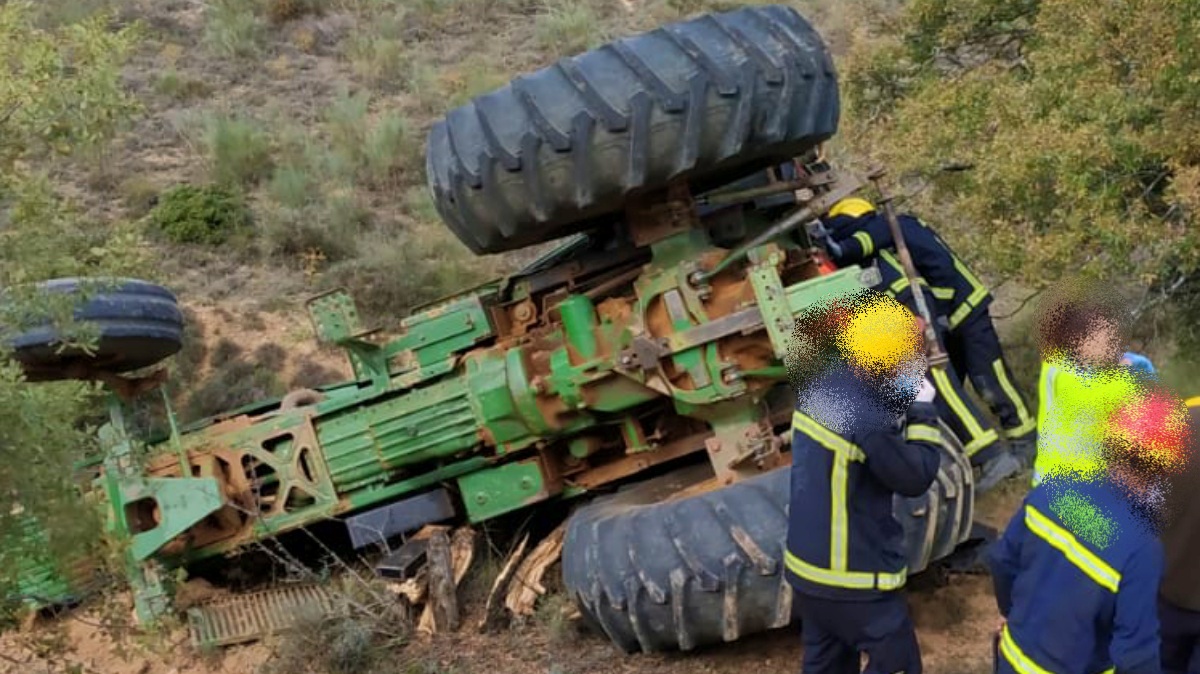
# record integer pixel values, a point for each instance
(649, 342)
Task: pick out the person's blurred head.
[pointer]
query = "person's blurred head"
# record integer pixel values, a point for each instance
(866, 337)
(1083, 325)
(1145, 440)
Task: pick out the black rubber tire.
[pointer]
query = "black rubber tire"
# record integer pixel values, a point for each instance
(558, 151)
(139, 324)
(659, 575)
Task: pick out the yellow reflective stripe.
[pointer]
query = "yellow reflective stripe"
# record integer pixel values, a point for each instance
(923, 433)
(1064, 541)
(864, 240)
(943, 293)
(825, 437)
(851, 580)
(839, 515)
(942, 383)
(898, 285)
(1192, 402)
(1016, 657)
(1011, 392)
(982, 442)
(980, 292)
(1023, 429)
(960, 314)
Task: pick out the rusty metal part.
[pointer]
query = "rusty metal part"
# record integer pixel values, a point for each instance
(240, 619)
(840, 189)
(635, 463)
(654, 217)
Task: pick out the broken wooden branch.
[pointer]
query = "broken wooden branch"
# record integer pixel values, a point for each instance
(493, 612)
(527, 585)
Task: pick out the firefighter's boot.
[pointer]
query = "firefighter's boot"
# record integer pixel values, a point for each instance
(997, 469)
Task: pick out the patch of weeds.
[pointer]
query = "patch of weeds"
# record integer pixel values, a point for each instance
(226, 351)
(568, 27)
(200, 215)
(553, 614)
(390, 147)
(271, 356)
(685, 8)
(363, 638)
(282, 11)
(231, 385)
(180, 87)
(474, 76)
(139, 195)
(291, 186)
(329, 226)
(435, 264)
(233, 28)
(67, 12)
(312, 375)
(423, 86)
(419, 204)
(345, 122)
(379, 61)
(239, 150)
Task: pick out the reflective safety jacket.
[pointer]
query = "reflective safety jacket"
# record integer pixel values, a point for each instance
(895, 284)
(951, 281)
(1076, 575)
(843, 541)
(1073, 405)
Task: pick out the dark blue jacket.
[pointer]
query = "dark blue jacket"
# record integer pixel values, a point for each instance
(843, 541)
(863, 238)
(895, 284)
(1079, 596)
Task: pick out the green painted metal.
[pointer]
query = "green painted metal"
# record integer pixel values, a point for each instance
(505, 488)
(462, 396)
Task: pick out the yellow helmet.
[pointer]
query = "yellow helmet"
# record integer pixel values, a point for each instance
(881, 335)
(853, 207)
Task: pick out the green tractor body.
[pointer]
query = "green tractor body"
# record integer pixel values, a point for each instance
(653, 337)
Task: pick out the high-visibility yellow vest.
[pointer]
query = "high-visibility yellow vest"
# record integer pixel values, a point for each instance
(1073, 406)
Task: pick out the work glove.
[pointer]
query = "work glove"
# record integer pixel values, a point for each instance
(927, 392)
(822, 236)
(1138, 362)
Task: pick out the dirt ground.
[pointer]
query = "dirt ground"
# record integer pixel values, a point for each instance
(954, 624)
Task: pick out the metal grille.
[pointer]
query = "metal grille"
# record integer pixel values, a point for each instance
(250, 617)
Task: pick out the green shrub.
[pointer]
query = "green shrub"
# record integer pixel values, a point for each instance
(239, 150)
(232, 28)
(200, 215)
(390, 146)
(568, 27)
(291, 186)
(180, 87)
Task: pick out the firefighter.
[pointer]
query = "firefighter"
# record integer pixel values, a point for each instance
(1080, 333)
(845, 558)
(980, 440)
(971, 340)
(1077, 570)
(1179, 594)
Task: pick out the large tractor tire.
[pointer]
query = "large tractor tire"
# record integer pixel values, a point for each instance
(662, 575)
(139, 324)
(559, 151)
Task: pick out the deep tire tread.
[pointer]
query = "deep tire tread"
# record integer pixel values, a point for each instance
(681, 574)
(708, 100)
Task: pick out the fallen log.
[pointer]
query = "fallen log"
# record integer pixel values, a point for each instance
(448, 558)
